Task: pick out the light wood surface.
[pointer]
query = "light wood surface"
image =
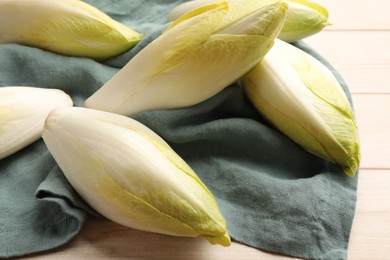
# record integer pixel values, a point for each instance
(358, 45)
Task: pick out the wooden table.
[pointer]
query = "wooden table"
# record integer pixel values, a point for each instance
(358, 46)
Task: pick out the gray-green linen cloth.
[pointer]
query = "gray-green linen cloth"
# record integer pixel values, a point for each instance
(274, 195)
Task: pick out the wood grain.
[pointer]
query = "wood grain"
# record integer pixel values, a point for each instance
(370, 236)
(355, 15)
(373, 118)
(361, 57)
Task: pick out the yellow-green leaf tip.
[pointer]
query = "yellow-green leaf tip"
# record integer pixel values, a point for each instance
(302, 98)
(68, 27)
(303, 19)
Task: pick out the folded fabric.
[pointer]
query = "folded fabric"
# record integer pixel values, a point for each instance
(274, 195)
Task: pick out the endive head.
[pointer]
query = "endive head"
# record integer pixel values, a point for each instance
(243, 17)
(69, 27)
(130, 175)
(23, 111)
(303, 99)
(303, 18)
(200, 54)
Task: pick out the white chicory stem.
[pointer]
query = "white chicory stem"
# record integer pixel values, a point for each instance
(23, 111)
